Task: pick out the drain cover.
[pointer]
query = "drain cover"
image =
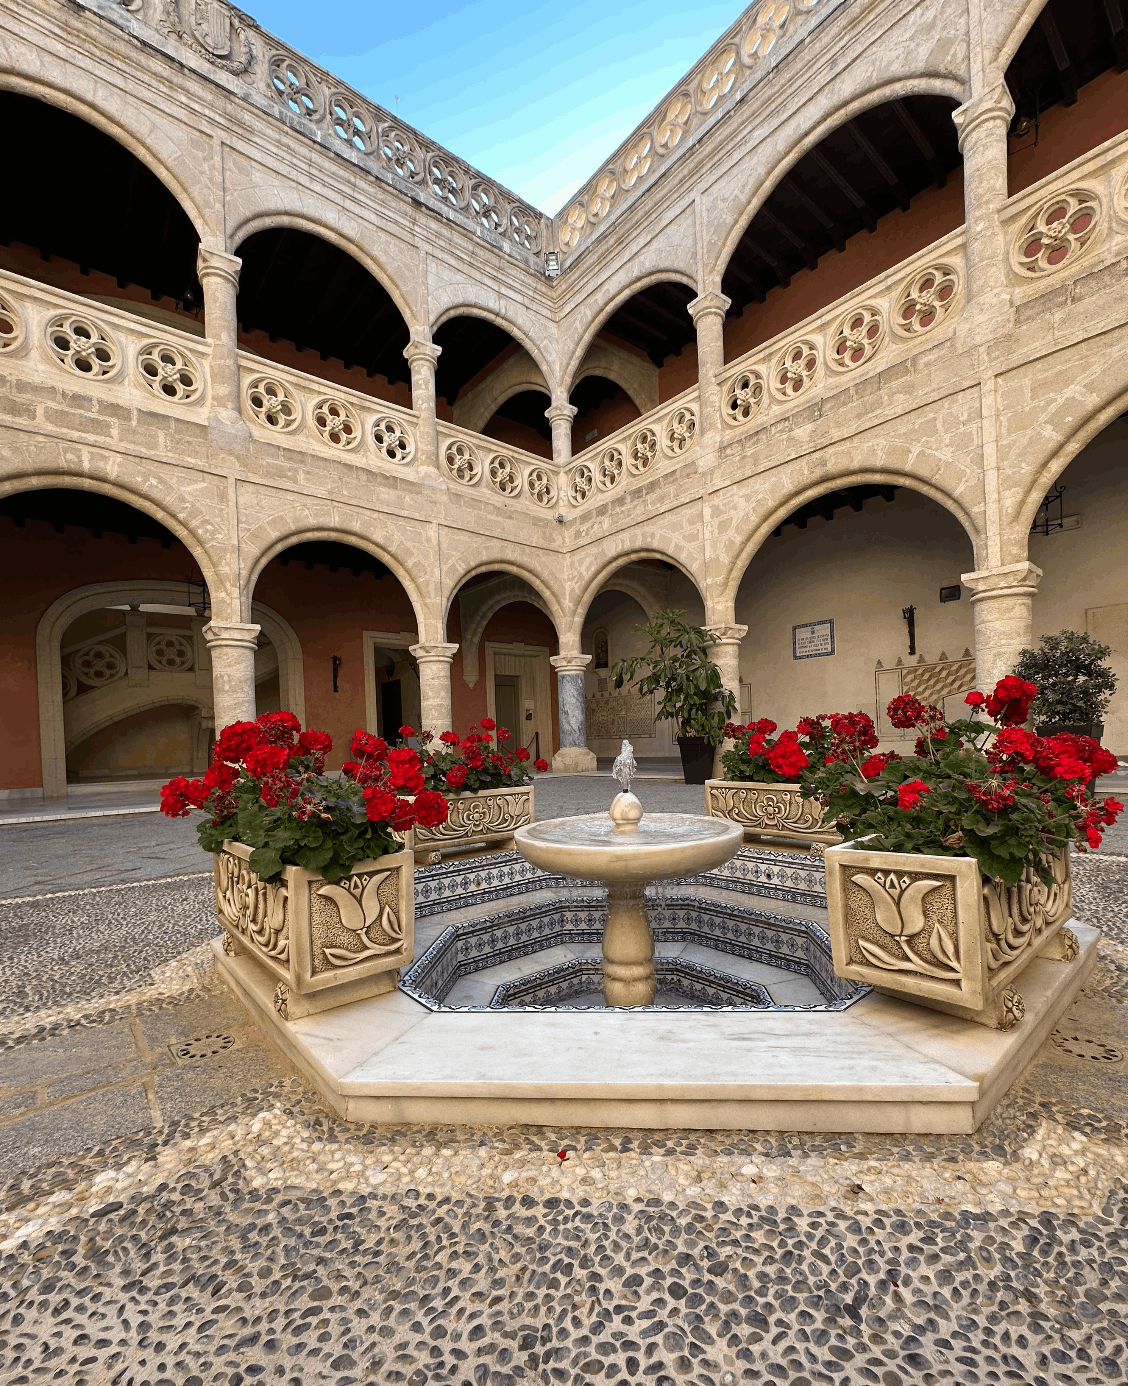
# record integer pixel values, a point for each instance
(201, 1047)
(1086, 1047)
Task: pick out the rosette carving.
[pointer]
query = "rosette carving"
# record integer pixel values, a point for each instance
(11, 325)
(335, 423)
(638, 160)
(609, 468)
(717, 79)
(541, 486)
(795, 368)
(294, 87)
(394, 442)
(272, 404)
(678, 431)
(1057, 234)
(463, 463)
(83, 346)
(505, 474)
(674, 123)
(744, 397)
(642, 451)
(858, 337)
(926, 300)
(170, 372)
(581, 483)
(350, 123)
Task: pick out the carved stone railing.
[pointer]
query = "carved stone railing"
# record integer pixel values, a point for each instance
(220, 40)
(903, 310)
(744, 55)
(1072, 219)
(300, 410)
(64, 338)
(498, 470)
(636, 451)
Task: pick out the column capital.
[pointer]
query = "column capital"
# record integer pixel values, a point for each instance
(231, 635)
(570, 663)
(1015, 579)
(419, 350)
(711, 303)
(427, 653)
(561, 411)
(217, 264)
(995, 104)
(726, 634)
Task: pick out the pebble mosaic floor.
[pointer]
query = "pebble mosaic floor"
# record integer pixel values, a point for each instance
(180, 1211)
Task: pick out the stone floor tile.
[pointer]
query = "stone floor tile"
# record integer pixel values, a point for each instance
(49, 1133)
(78, 1051)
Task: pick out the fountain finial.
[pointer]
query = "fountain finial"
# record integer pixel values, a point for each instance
(625, 767)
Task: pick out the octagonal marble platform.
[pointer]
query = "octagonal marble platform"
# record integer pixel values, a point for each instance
(824, 1056)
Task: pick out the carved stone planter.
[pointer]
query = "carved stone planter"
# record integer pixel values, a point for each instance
(934, 931)
(324, 943)
(772, 809)
(489, 817)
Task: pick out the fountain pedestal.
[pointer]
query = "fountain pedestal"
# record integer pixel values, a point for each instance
(628, 948)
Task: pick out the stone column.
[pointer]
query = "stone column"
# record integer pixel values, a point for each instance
(573, 757)
(1002, 602)
(219, 277)
(422, 356)
(724, 651)
(560, 416)
(232, 646)
(708, 313)
(983, 123)
(434, 685)
(136, 649)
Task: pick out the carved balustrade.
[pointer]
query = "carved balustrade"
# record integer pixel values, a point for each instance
(300, 410)
(659, 438)
(52, 335)
(498, 470)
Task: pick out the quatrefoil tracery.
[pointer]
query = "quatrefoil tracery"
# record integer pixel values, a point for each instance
(80, 344)
(744, 397)
(463, 463)
(335, 423)
(859, 336)
(796, 366)
(926, 300)
(170, 372)
(1057, 234)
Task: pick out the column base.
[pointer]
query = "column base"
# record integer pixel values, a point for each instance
(573, 760)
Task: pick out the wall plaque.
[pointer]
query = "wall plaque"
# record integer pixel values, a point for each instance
(813, 640)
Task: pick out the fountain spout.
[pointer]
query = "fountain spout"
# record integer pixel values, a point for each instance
(625, 811)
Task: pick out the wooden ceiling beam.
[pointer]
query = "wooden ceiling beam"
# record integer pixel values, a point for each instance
(832, 227)
(1116, 27)
(778, 267)
(747, 277)
(848, 188)
(646, 328)
(678, 322)
(1060, 53)
(803, 247)
(871, 153)
(939, 176)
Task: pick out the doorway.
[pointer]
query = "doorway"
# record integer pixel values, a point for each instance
(507, 701)
(518, 691)
(391, 709)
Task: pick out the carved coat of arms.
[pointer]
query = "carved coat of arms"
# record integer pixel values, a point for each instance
(216, 31)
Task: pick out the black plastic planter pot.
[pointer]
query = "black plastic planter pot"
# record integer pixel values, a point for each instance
(696, 759)
(1093, 729)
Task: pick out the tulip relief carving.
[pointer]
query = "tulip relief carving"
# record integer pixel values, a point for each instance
(898, 907)
(374, 924)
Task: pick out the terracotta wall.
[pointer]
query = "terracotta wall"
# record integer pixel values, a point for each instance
(1067, 132)
(518, 435)
(37, 566)
(519, 623)
(604, 419)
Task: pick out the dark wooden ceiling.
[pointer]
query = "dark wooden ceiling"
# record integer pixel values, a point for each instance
(337, 557)
(527, 407)
(73, 192)
(468, 344)
(871, 165)
(823, 507)
(656, 320)
(300, 289)
(1070, 43)
(591, 392)
(97, 514)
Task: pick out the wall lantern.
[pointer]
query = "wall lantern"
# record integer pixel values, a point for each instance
(1051, 515)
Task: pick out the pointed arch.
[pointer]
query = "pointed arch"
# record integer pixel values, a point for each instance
(575, 359)
(466, 309)
(546, 600)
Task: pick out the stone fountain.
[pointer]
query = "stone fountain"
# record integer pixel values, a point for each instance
(625, 850)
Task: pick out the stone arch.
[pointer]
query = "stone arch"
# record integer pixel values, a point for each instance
(570, 370)
(160, 161)
(606, 574)
(352, 245)
(545, 599)
(139, 700)
(519, 373)
(638, 379)
(505, 590)
(763, 186)
(725, 599)
(1005, 29)
(270, 549)
(523, 338)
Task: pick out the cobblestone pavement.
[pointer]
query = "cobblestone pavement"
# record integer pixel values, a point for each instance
(179, 1210)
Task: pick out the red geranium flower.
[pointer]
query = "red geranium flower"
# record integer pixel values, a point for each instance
(522, 753)
(406, 731)
(908, 795)
(788, 758)
(541, 765)
(379, 804)
(487, 724)
(1010, 702)
(456, 776)
(873, 767)
(449, 738)
(430, 808)
(974, 699)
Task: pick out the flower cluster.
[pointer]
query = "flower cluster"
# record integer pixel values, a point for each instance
(756, 756)
(983, 788)
(267, 787)
(475, 761)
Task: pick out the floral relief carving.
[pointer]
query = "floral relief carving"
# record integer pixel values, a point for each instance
(678, 431)
(768, 808)
(355, 919)
(642, 452)
(609, 468)
(524, 229)
(674, 123)
(1057, 233)
(272, 405)
(505, 475)
(172, 653)
(1019, 917)
(486, 208)
(766, 30)
(603, 198)
(638, 160)
(717, 79)
(82, 346)
(581, 483)
(335, 423)
(11, 325)
(294, 86)
(858, 337)
(400, 154)
(463, 463)
(926, 300)
(350, 123)
(493, 813)
(899, 912)
(170, 372)
(393, 441)
(541, 486)
(251, 909)
(98, 664)
(216, 31)
(744, 397)
(796, 366)
(448, 182)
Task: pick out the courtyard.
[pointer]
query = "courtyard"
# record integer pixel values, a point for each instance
(180, 1207)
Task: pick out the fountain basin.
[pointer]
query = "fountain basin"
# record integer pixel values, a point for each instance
(662, 847)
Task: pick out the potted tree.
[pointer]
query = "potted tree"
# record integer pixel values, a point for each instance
(761, 788)
(678, 667)
(1075, 684)
(955, 871)
(488, 789)
(311, 883)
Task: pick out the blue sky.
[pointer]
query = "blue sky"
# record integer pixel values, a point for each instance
(536, 95)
